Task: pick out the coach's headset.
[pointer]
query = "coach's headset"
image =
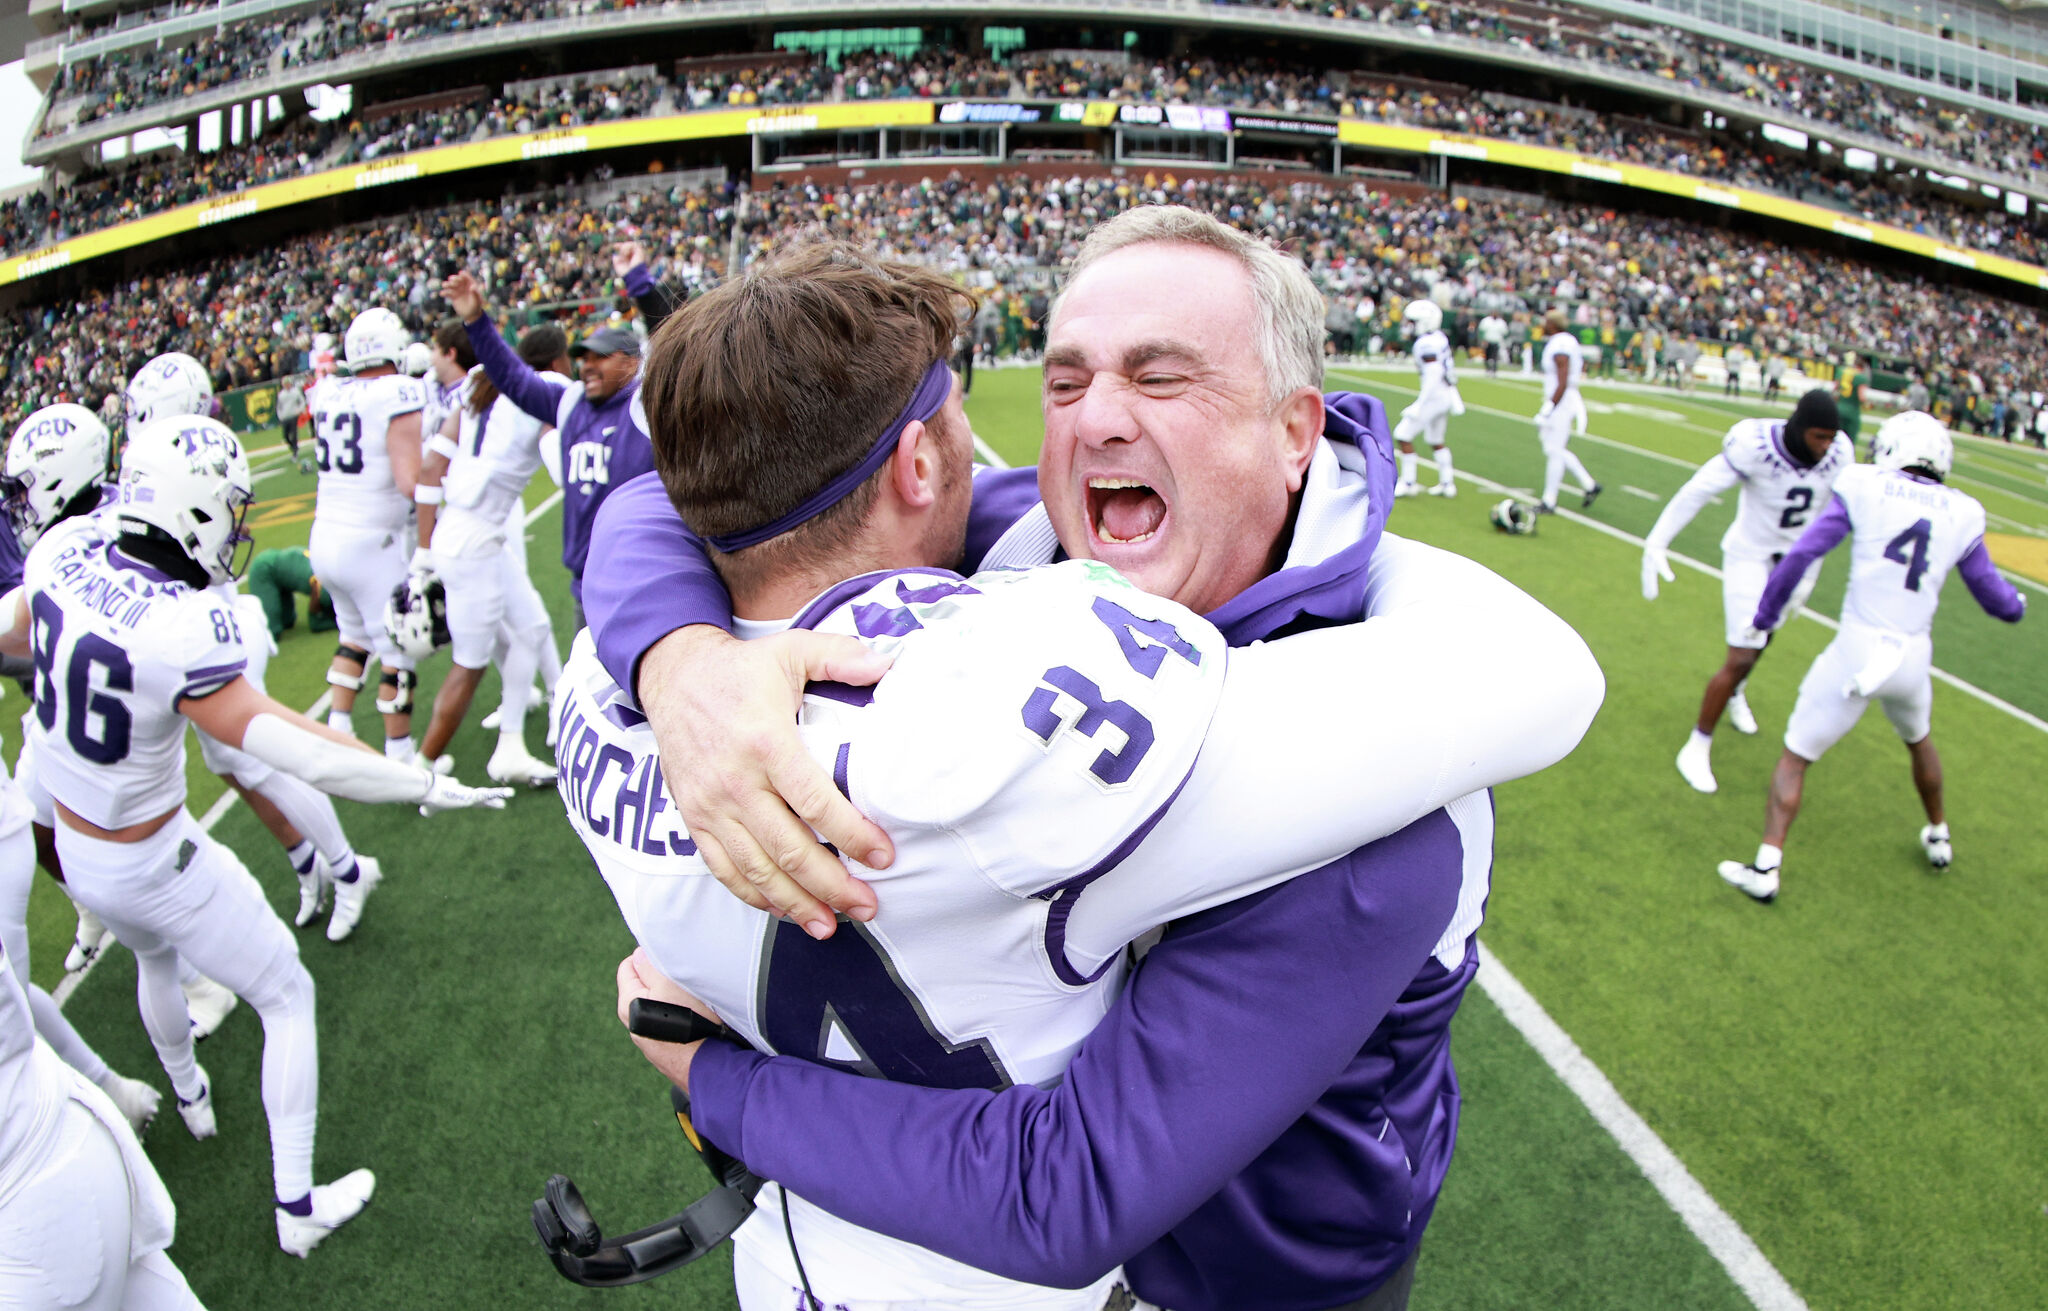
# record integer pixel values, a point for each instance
(569, 1232)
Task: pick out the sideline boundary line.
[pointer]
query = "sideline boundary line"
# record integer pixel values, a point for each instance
(1738, 1254)
(1723, 1238)
(227, 799)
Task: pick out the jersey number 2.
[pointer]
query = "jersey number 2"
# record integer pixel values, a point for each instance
(1909, 548)
(1798, 501)
(110, 744)
(842, 1002)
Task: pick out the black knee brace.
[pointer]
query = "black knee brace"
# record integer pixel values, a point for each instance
(396, 686)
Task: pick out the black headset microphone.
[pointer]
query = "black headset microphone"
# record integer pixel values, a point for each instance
(582, 1252)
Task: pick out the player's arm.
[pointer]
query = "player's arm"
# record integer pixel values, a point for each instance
(1821, 536)
(16, 640)
(1708, 481)
(427, 492)
(238, 715)
(629, 261)
(512, 376)
(1239, 1022)
(1299, 767)
(402, 442)
(1562, 366)
(2000, 599)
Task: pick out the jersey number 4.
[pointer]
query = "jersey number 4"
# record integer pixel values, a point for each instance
(1909, 548)
(104, 742)
(348, 436)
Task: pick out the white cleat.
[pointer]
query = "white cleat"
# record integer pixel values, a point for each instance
(334, 1205)
(1446, 489)
(349, 899)
(497, 717)
(208, 1003)
(312, 893)
(1407, 489)
(1696, 766)
(137, 1100)
(513, 763)
(1934, 841)
(1759, 884)
(87, 944)
(198, 1113)
(1740, 717)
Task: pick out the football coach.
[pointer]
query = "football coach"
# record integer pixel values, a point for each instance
(1264, 1120)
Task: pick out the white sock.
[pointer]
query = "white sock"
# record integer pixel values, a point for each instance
(1553, 477)
(1407, 466)
(398, 748)
(1938, 832)
(1769, 857)
(341, 721)
(1578, 471)
(1443, 464)
(301, 857)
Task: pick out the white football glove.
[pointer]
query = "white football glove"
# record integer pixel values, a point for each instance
(422, 561)
(444, 793)
(1656, 564)
(1754, 637)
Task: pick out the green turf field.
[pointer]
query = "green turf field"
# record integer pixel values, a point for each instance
(1851, 1074)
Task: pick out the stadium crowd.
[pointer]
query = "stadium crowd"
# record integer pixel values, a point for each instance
(112, 197)
(132, 79)
(254, 315)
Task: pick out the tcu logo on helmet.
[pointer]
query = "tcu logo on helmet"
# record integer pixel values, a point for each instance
(200, 440)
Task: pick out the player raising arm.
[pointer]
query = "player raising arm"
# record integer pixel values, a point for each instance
(130, 643)
(1909, 530)
(1784, 470)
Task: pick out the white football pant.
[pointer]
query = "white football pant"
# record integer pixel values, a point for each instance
(360, 568)
(17, 877)
(1742, 586)
(1554, 430)
(179, 893)
(1895, 668)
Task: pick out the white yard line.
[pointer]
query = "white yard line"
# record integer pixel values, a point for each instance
(1637, 491)
(1744, 1261)
(227, 799)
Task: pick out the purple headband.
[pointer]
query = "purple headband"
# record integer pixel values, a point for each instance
(931, 393)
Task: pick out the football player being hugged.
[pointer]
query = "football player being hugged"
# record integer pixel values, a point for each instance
(469, 496)
(1434, 405)
(1907, 530)
(366, 444)
(1786, 470)
(130, 643)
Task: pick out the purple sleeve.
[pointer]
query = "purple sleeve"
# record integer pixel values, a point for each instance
(2000, 599)
(511, 375)
(654, 303)
(646, 576)
(1237, 1022)
(1823, 536)
(1001, 498)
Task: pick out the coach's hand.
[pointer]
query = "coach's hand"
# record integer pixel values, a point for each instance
(639, 977)
(626, 254)
(464, 295)
(756, 804)
(1656, 564)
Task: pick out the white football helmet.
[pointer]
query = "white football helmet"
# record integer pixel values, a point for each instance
(1426, 315)
(419, 358)
(1913, 439)
(57, 454)
(188, 478)
(416, 616)
(376, 337)
(167, 386)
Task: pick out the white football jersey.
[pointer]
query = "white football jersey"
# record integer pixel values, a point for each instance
(351, 420)
(1562, 343)
(441, 400)
(499, 452)
(1908, 534)
(1433, 362)
(1779, 496)
(1033, 729)
(117, 646)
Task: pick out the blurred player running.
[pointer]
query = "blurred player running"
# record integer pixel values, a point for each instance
(366, 438)
(1785, 470)
(1908, 531)
(1433, 407)
(1563, 367)
(130, 643)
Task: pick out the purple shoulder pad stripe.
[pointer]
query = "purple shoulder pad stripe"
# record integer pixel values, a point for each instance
(841, 592)
(844, 693)
(224, 671)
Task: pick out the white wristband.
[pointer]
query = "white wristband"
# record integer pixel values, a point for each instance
(443, 445)
(425, 495)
